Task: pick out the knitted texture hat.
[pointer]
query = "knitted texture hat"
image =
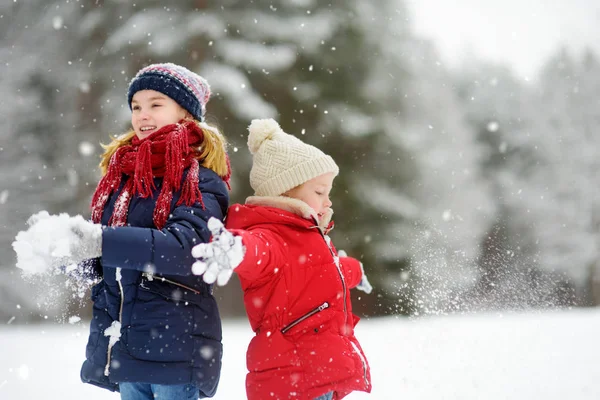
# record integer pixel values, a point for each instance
(282, 161)
(188, 89)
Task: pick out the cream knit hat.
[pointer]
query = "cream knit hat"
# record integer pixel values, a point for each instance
(282, 161)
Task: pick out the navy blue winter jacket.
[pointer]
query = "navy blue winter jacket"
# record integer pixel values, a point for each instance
(170, 325)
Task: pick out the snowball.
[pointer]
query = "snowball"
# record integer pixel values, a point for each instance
(46, 240)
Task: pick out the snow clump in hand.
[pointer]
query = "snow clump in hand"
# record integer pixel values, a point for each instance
(46, 240)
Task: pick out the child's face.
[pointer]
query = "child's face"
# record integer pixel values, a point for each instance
(151, 110)
(315, 193)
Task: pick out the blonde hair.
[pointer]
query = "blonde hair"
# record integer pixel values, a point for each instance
(212, 153)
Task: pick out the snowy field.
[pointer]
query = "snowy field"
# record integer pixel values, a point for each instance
(553, 355)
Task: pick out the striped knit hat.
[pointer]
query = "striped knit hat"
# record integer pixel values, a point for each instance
(281, 161)
(188, 89)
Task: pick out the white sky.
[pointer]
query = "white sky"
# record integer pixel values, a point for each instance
(520, 33)
(550, 356)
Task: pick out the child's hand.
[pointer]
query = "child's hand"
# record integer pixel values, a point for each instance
(217, 259)
(85, 240)
(364, 284)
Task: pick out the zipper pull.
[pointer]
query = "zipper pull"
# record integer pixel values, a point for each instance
(143, 281)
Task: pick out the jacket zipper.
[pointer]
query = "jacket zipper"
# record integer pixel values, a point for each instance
(147, 276)
(336, 261)
(305, 316)
(109, 350)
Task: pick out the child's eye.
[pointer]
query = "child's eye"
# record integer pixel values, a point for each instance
(156, 105)
(319, 193)
(135, 108)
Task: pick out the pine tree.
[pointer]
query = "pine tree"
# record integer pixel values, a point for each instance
(346, 76)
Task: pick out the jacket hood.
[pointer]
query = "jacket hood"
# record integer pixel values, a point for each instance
(267, 209)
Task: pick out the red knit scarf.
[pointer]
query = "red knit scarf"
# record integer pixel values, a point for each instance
(166, 153)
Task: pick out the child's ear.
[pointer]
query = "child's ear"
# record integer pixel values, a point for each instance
(187, 115)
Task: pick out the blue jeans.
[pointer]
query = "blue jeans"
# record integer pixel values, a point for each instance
(326, 396)
(147, 391)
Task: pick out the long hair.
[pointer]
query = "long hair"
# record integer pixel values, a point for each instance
(212, 153)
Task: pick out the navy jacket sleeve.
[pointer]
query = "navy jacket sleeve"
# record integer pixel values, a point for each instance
(167, 251)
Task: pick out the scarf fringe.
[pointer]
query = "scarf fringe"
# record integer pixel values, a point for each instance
(108, 184)
(190, 191)
(142, 177)
(119, 216)
(162, 208)
(177, 146)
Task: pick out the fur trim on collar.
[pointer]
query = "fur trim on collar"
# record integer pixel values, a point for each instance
(292, 205)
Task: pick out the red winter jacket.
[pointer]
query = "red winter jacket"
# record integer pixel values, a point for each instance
(297, 297)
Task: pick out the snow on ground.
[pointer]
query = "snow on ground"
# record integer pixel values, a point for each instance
(552, 355)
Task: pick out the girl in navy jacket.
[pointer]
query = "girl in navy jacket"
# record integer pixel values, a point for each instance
(156, 329)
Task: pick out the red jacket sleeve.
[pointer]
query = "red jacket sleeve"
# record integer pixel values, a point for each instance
(262, 257)
(351, 270)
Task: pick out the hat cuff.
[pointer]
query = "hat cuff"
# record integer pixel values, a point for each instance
(169, 87)
(296, 176)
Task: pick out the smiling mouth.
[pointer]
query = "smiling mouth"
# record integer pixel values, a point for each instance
(147, 128)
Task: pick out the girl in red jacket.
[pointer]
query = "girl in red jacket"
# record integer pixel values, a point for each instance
(296, 285)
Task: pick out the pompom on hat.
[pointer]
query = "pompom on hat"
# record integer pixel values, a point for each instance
(282, 161)
(188, 89)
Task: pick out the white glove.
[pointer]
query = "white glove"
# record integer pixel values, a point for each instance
(364, 284)
(86, 240)
(54, 241)
(218, 259)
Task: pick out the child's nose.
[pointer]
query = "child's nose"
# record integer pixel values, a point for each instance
(142, 115)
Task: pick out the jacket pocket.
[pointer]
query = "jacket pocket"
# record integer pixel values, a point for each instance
(170, 290)
(202, 306)
(161, 335)
(167, 319)
(305, 317)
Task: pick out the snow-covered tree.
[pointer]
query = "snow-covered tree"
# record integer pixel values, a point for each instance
(350, 78)
(51, 135)
(439, 210)
(541, 162)
(445, 184)
(347, 76)
(567, 219)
